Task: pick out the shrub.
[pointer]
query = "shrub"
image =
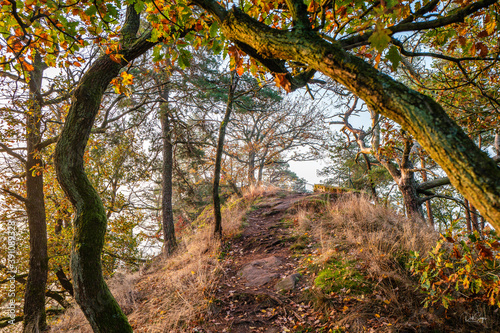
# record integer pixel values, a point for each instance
(461, 267)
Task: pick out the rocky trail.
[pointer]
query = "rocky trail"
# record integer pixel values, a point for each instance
(261, 290)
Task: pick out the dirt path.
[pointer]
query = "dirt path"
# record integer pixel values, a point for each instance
(261, 288)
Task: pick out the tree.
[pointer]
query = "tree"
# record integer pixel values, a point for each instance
(91, 292)
(275, 131)
(218, 155)
(347, 169)
(170, 243)
(470, 170)
(400, 166)
(38, 136)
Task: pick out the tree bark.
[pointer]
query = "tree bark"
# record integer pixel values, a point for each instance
(251, 168)
(408, 188)
(468, 221)
(170, 244)
(470, 170)
(89, 225)
(64, 281)
(430, 216)
(34, 297)
(218, 156)
(373, 188)
(474, 217)
(260, 173)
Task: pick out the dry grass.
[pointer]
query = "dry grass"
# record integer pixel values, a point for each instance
(172, 294)
(373, 233)
(301, 218)
(253, 192)
(380, 241)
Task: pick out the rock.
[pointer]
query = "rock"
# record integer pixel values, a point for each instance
(288, 283)
(259, 272)
(266, 263)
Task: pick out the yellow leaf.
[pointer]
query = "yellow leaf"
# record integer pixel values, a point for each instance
(490, 26)
(127, 79)
(377, 315)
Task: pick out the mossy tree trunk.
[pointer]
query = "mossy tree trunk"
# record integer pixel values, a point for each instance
(34, 297)
(170, 243)
(469, 169)
(89, 225)
(218, 156)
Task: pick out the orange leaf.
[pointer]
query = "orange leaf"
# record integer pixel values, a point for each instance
(282, 81)
(312, 6)
(28, 67)
(240, 70)
(115, 58)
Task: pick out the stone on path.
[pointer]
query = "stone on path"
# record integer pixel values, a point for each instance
(288, 283)
(260, 272)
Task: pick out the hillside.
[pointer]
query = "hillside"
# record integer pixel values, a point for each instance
(290, 263)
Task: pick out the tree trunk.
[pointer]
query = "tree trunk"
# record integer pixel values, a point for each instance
(218, 156)
(89, 225)
(470, 170)
(474, 217)
(408, 188)
(170, 243)
(261, 171)
(34, 296)
(430, 216)
(468, 220)
(373, 188)
(251, 168)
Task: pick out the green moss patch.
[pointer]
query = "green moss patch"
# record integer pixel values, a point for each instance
(342, 275)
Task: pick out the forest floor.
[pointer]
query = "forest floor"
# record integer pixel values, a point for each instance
(263, 283)
(276, 278)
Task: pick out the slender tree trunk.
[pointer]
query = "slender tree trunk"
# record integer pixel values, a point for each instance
(34, 297)
(474, 217)
(170, 243)
(218, 156)
(89, 225)
(261, 171)
(251, 168)
(64, 281)
(430, 216)
(373, 189)
(468, 220)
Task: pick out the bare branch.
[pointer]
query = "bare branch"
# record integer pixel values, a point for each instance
(12, 153)
(15, 195)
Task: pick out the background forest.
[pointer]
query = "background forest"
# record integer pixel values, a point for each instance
(122, 123)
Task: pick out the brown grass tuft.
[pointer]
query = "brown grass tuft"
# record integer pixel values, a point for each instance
(376, 234)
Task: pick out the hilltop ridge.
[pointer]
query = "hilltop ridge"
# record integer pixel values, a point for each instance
(290, 262)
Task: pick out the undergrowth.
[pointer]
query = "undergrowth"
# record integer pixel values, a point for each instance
(359, 274)
(372, 265)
